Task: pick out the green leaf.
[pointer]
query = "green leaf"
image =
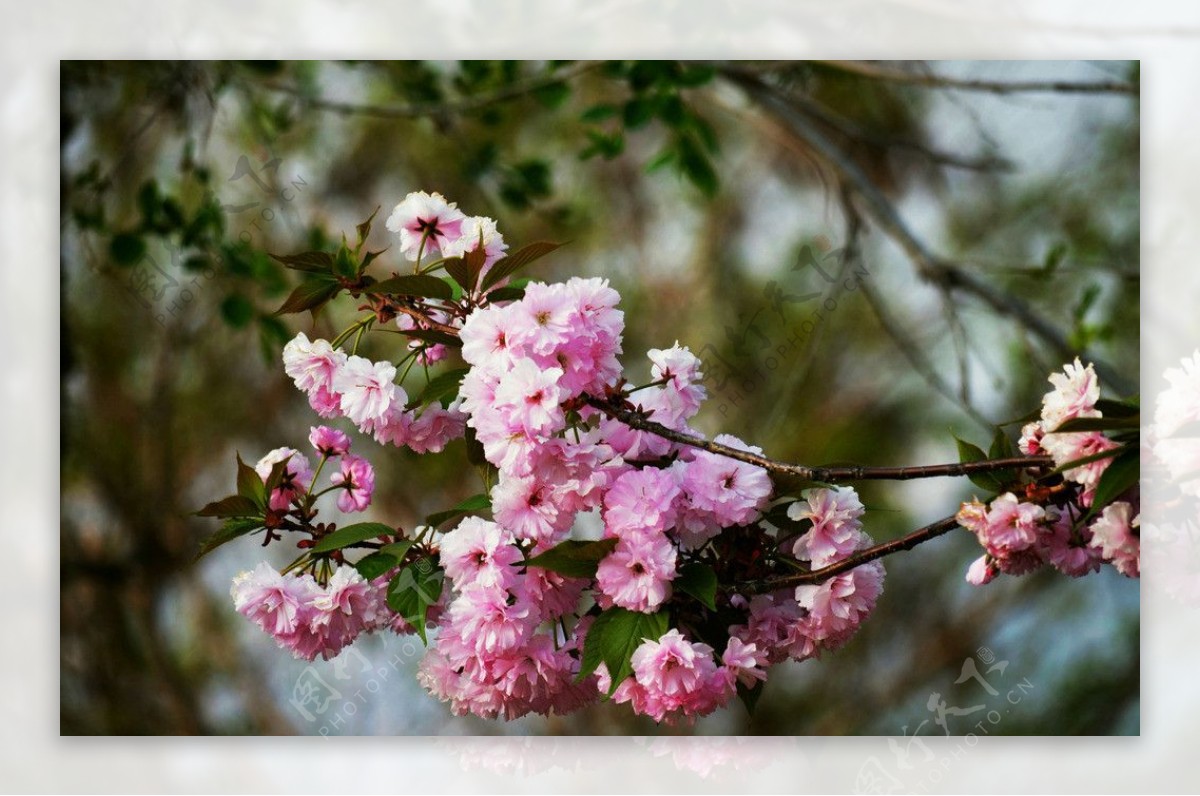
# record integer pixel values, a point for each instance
(1119, 476)
(552, 95)
(345, 263)
(637, 112)
(397, 550)
(376, 564)
(127, 248)
(698, 580)
(311, 262)
(310, 295)
(574, 558)
(993, 482)
(1029, 417)
(475, 451)
(598, 113)
(250, 485)
(237, 310)
(369, 258)
(413, 590)
(276, 474)
(480, 502)
(232, 506)
(505, 294)
(457, 268)
(418, 285)
(474, 261)
(1110, 408)
(968, 452)
(432, 336)
(1002, 447)
(613, 638)
(443, 387)
(232, 529)
(364, 229)
(517, 260)
(1098, 424)
(352, 534)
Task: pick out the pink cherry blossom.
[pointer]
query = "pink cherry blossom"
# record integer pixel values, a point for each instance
(982, 570)
(472, 230)
(835, 530)
(1075, 393)
(529, 397)
(840, 604)
(367, 389)
(425, 218)
(329, 441)
(637, 574)
(345, 608)
(526, 506)
(356, 476)
(311, 365)
(478, 552)
(297, 475)
(641, 501)
(1116, 536)
(1067, 548)
(493, 620)
(733, 492)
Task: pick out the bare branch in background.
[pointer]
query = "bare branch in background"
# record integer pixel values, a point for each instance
(852, 129)
(464, 105)
(876, 72)
(930, 267)
(907, 345)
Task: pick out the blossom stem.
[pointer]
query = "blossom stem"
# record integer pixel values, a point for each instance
(313, 482)
(931, 531)
(358, 325)
(421, 249)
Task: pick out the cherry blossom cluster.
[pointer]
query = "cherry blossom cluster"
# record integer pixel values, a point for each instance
(1056, 525)
(365, 393)
(315, 611)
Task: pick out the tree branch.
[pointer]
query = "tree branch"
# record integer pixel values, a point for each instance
(915, 538)
(870, 70)
(640, 422)
(931, 268)
(464, 105)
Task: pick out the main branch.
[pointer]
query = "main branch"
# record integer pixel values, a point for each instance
(915, 538)
(641, 422)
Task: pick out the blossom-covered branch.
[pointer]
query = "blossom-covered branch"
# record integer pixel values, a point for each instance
(707, 571)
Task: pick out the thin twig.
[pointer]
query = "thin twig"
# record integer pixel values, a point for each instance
(915, 538)
(640, 422)
(911, 350)
(875, 72)
(852, 129)
(463, 105)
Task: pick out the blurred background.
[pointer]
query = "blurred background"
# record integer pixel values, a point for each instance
(870, 258)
